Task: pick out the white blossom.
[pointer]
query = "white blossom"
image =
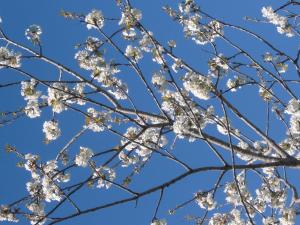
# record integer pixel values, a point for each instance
(127, 160)
(145, 42)
(201, 34)
(105, 176)
(84, 156)
(51, 130)
(218, 66)
(96, 120)
(31, 160)
(28, 90)
(159, 79)
(9, 58)
(288, 216)
(236, 82)
(293, 107)
(159, 222)
(205, 200)
(33, 33)
(269, 221)
(89, 61)
(233, 195)
(280, 21)
(94, 19)
(133, 52)
(7, 215)
(92, 44)
(143, 144)
(32, 109)
(219, 219)
(130, 16)
(50, 190)
(57, 95)
(200, 86)
(129, 34)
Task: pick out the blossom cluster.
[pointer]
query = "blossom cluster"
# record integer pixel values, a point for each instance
(29, 92)
(84, 156)
(199, 85)
(105, 176)
(94, 19)
(51, 130)
(283, 27)
(9, 58)
(44, 186)
(142, 143)
(96, 120)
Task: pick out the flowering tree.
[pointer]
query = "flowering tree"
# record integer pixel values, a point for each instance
(252, 161)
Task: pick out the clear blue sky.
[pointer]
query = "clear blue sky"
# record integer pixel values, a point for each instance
(58, 38)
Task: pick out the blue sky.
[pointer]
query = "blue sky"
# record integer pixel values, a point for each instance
(59, 38)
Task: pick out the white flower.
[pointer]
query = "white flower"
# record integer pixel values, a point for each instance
(133, 52)
(219, 219)
(28, 90)
(268, 57)
(159, 79)
(295, 125)
(233, 196)
(31, 160)
(205, 200)
(32, 109)
(130, 16)
(201, 34)
(51, 130)
(127, 160)
(181, 125)
(33, 33)
(142, 145)
(84, 156)
(200, 86)
(218, 66)
(282, 67)
(36, 208)
(237, 82)
(146, 42)
(88, 61)
(79, 91)
(9, 58)
(94, 19)
(105, 176)
(280, 21)
(159, 222)
(129, 34)
(92, 44)
(33, 187)
(269, 221)
(172, 43)
(38, 213)
(177, 65)
(7, 215)
(96, 120)
(288, 216)
(265, 93)
(57, 95)
(293, 108)
(50, 190)
(50, 166)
